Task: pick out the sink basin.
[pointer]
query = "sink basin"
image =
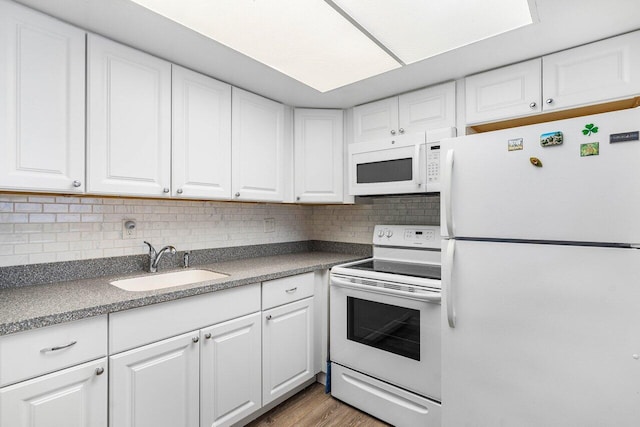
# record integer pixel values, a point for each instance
(166, 280)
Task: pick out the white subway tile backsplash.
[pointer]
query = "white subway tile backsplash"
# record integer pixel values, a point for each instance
(70, 228)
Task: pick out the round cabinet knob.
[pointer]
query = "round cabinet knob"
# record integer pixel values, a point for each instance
(179, 191)
(401, 130)
(207, 336)
(268, 317)
(533, 105)
(393, 132)
(389, 233)
(549, 100)
(298, 198)
(237, 194)
(165, 190)
(99, 371)
(77, 184)
(195, 339)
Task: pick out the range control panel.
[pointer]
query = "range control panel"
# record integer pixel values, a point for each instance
(426, 236)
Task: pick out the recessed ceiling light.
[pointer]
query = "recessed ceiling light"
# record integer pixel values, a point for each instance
(333, 43)
(307, 40)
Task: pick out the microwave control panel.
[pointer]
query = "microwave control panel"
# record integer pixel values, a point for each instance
(433, 163)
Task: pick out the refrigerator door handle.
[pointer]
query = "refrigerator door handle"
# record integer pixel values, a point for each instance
(448, 283)
(446, 194)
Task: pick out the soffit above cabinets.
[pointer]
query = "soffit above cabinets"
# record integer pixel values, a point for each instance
(556, 25)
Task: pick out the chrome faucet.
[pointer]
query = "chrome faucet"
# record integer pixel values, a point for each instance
(154, 257)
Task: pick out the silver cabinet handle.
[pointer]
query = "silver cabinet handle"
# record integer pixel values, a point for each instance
(533, 105)
(195, 339)
(393, 132)
(292, 290)
(207, 336)
(165, 190)
(99, 371)
(238, 194)
(269, 317)
(401, 130)
(77, 184)
(179, 191)
(60, 347)
(549, 100)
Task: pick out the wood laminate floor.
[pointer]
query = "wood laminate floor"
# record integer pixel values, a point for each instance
(312, 407)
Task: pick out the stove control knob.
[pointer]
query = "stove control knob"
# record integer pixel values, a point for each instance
(389, 233)
(380, 233)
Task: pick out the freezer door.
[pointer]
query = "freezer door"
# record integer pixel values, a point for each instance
(491, 192)
(544, 335)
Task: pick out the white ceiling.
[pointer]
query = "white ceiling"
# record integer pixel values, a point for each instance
(561, 24)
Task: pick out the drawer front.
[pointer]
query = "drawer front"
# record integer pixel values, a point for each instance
(288, 289)
(144, 325)
(32, 353)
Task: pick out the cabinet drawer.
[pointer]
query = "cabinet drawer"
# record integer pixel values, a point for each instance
(31, 353)
(281, 291)
(144, 325)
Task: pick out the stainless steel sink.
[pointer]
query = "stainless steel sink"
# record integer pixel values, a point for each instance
(167, 280)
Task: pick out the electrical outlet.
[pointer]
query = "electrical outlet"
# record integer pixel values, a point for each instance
(269, 225)
(129, 229)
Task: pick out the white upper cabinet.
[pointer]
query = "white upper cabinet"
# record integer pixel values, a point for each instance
(511, 91)
(258, 148)
(318, 150)
(418, 111)
(129, 121)
(376, 120)
(42, 74)
(201, 143)
(426, 109)
(597, 72)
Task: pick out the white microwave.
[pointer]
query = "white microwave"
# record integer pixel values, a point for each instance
(407, 164)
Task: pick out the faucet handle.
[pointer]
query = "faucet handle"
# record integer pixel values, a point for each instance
(152, 250)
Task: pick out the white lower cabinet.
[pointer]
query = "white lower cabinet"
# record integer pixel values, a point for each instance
(156, 385)
(230, 371)
(287, 348)
(72, 397)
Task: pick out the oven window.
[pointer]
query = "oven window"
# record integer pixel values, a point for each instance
(387, 327)
(385, 171)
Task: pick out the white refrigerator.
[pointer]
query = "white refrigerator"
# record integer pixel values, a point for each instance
(541, 275)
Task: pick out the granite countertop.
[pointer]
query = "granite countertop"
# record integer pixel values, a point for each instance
(29, 307)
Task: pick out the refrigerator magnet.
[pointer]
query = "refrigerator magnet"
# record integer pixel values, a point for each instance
(551, 138)
(624, 137)
(590, 149)
(515, 144)
(589, 129)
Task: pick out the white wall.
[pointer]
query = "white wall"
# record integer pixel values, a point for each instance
(46, 228)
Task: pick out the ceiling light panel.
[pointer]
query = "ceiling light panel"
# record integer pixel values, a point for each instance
(417, 29)
(307, 40)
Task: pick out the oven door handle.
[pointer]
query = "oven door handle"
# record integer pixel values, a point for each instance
(422, 296)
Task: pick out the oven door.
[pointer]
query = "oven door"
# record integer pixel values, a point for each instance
(390, 334)
(388, 167)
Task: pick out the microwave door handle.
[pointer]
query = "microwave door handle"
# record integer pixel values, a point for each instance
(423, 296)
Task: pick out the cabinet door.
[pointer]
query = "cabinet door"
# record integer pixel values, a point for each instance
(258, 149)
(73, 397)
(129, 121)
(426, 109)
(597, 72)
(41, 102)
(230, 371)
(318, 149)
(376, 120)
(287, 348)
(156, 385)
(504, 93)
(201, 148)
